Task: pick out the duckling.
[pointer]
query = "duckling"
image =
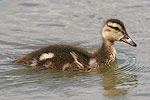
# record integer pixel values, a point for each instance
(71, 58)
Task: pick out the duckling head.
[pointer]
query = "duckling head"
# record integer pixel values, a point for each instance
(115, 30)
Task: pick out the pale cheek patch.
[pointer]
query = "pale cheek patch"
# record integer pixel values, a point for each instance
(46, 56)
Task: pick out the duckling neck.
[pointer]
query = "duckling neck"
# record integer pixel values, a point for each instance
(106, 53)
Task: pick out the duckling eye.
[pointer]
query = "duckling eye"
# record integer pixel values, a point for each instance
(116, 28)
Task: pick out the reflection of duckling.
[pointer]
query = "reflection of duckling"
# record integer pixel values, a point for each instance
(65, 57)
(117, 83)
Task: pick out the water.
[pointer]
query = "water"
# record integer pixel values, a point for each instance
(26, 25)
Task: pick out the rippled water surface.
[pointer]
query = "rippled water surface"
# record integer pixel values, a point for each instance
(26, 25)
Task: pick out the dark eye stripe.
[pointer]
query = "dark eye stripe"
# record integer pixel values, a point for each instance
(116, 28)
(117, 22)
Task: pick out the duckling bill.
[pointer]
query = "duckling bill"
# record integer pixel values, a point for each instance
(71, 58)
(128, 40)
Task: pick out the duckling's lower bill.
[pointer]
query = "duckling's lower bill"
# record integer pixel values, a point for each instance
(71, 58)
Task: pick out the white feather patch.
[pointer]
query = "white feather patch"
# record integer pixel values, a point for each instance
(46, 56)
(92, 61)
(34, 62)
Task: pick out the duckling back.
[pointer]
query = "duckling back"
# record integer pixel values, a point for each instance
(61, 57)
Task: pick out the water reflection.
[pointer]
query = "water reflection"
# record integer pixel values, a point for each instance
(117, 82)
(114, 81)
